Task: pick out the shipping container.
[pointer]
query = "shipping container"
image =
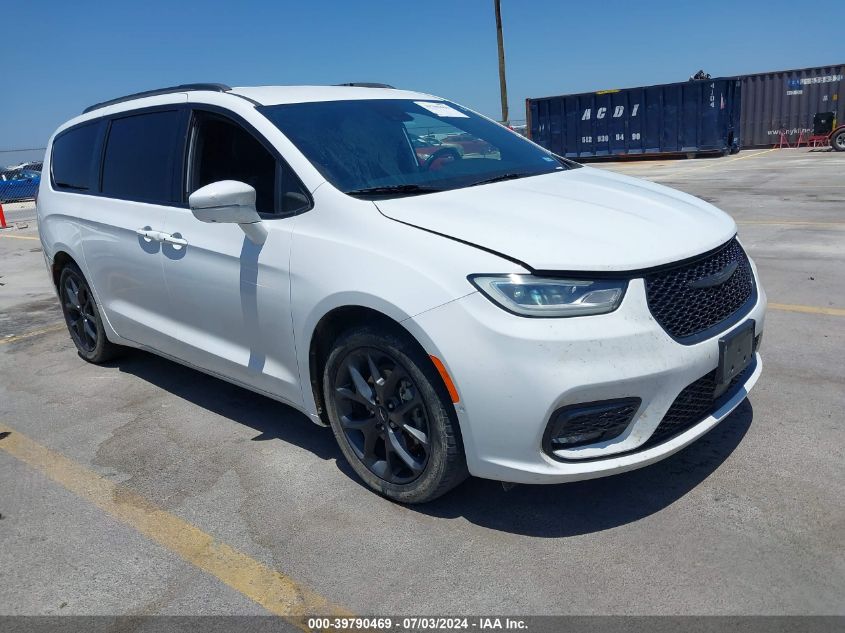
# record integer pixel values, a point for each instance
(691, 117)
(786, 101)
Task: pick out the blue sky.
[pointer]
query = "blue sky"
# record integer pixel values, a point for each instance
(61, 56)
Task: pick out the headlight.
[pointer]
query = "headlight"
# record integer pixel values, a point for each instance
(549, 297)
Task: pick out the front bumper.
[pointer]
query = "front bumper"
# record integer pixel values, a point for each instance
(512, 373)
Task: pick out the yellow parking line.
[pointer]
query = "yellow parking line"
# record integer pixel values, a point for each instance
(786, 307)
(20, 337)
(19, 237)
(714, 163)
(271, 589)
(744, 156)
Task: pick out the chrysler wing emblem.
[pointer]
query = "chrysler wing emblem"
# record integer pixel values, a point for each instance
(716, 278)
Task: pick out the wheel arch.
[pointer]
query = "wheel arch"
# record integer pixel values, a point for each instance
(61, 259)
(333, 324)
(62, 256)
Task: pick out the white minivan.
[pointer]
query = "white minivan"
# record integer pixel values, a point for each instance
(448, 296)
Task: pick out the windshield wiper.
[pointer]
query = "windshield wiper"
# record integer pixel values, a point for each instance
(500, 178)
(393, 190)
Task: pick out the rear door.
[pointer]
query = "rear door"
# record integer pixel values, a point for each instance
(139, 182)
(229, 297)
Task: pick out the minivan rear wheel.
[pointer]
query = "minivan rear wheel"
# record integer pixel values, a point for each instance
(391, 416)
(82, 316)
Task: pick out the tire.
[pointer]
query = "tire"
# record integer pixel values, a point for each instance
(837, 141)
(400, 435)
(82, 317)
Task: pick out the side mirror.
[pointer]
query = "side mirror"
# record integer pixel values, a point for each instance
(230, 202)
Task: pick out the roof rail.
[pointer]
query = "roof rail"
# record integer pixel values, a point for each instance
(159, 91)
(365, 84)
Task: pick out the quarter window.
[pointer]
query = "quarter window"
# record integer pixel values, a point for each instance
(73, 158)
(140, 160)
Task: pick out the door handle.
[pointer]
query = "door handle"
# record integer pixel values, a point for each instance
(149, 234)
(172, 239)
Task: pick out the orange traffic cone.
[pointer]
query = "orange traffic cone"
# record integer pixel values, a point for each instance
(2, 218)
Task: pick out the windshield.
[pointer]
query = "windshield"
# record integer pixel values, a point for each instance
(385, 147)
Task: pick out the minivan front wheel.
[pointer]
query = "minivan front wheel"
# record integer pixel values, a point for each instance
(82, 316)
(391, 417)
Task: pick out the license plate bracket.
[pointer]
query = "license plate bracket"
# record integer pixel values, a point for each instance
(736, 351)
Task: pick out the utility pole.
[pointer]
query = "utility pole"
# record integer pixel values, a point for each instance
(503, 84)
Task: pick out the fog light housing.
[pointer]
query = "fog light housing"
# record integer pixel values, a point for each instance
(589, 423)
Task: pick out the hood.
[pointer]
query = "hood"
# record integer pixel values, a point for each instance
(577, 220)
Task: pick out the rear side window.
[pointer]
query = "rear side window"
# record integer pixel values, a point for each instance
(73, 158)
(141, 157)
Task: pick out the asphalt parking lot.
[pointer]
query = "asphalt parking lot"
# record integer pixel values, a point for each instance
(144, 487)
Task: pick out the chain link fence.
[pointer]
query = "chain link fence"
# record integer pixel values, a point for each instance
(20, 174)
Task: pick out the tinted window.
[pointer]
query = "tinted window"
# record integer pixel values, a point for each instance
(141, 157)
(224, 150)
(73, 156)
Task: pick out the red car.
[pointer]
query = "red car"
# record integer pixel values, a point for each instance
(432, 154)
(469, 144)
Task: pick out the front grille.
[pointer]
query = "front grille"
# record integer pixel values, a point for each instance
(694, 404)
(684, 310)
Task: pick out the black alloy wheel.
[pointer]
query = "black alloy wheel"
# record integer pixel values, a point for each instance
(82, 317)
(382, 415)
(392, 415)
(79, 312)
